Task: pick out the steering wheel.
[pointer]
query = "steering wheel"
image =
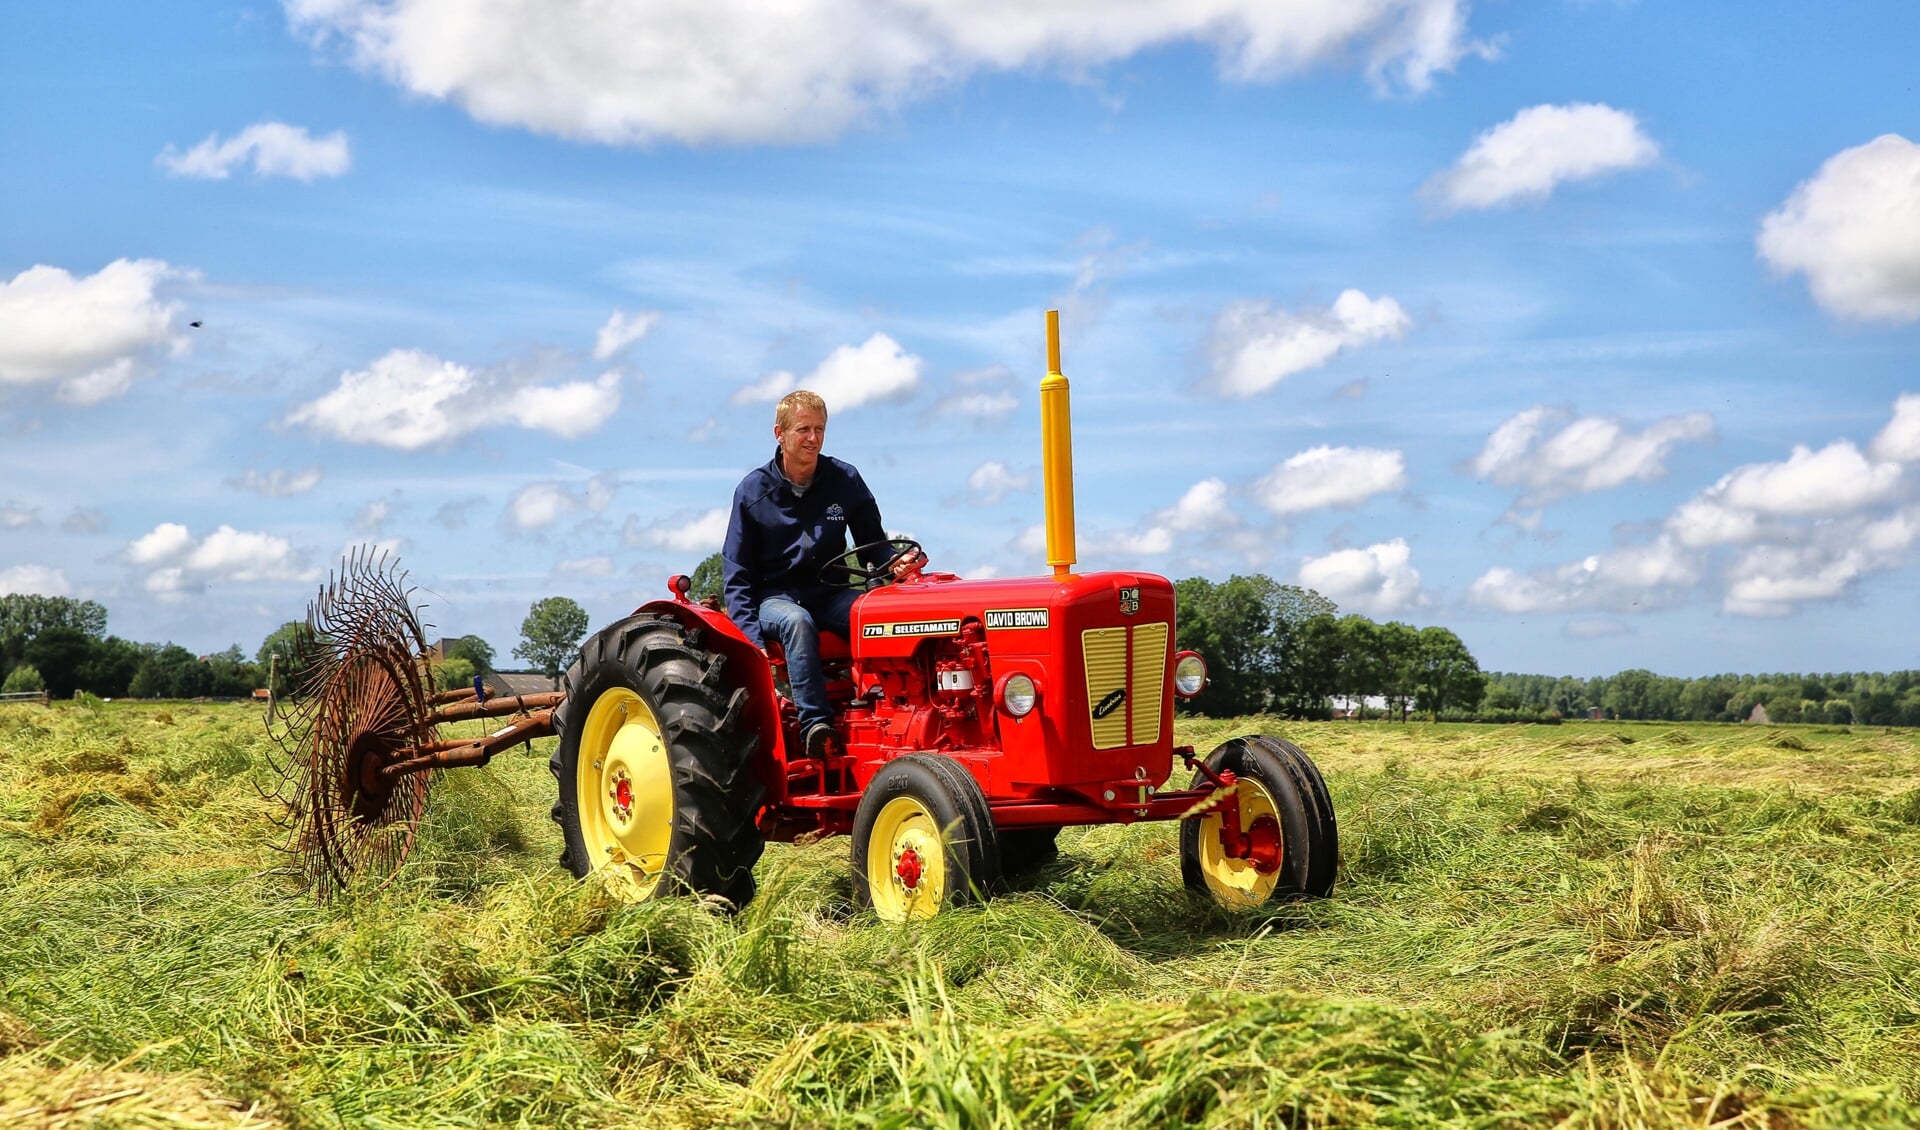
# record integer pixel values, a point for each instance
(838, 572)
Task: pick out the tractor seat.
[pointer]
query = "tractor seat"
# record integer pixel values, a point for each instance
(833, 649)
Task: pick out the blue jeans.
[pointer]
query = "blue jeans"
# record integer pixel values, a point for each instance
(797, 627)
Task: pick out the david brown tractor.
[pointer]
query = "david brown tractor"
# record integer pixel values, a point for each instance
(979, 718)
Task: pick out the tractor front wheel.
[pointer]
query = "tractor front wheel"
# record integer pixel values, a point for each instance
(923, 839)
(657, 789)
(1287, 845)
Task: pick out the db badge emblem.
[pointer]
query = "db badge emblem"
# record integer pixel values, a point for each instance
(1130, 600)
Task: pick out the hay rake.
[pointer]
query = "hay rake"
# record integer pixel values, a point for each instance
(358, 738)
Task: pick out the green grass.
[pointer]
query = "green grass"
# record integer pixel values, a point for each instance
(1589, 925)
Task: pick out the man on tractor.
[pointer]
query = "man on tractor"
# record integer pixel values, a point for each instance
(790, 518)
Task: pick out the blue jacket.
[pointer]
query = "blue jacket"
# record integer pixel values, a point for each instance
(778, 540)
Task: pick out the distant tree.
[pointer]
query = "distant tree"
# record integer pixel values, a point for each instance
(1399, 664)
(59, 653)
(550, 635)
(1447, 677)
(453, 674)
(28, 615)
(23, 679)
(1231, 629)
(473, 649)
(172, 672)
(1319, 668)
(1365, 675)
(110, 666)
(24, 616)
(280, 643)
(1705, 700)
(1248, 629)
(706, 580)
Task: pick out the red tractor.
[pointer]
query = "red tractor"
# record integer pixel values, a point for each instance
(979, 718)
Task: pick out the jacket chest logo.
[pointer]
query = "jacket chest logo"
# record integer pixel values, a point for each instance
(835, 513)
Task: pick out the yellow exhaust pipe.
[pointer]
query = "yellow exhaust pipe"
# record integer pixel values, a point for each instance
(1056, 455)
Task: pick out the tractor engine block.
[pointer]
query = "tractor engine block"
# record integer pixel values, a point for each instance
(940, 697)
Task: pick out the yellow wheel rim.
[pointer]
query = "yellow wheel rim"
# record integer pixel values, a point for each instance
(1239, 884)
(624, 794)
(906, 861)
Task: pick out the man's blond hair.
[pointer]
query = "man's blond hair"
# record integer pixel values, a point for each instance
(793, 402)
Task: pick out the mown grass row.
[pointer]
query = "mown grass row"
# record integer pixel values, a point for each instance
(1588, 925)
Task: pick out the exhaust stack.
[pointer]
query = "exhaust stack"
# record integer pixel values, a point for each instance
(1056, 455)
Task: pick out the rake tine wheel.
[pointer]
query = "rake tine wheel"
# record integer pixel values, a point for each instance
(360, 701)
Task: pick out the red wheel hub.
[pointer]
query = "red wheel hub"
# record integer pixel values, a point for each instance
(909, 868)
(623, 794)
(1263, 848)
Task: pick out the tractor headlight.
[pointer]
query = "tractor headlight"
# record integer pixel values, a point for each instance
(1189, 674)
(1018, 694)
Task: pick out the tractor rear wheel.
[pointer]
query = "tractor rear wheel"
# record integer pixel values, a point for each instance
(1291, 847)
(655, 767)
(923, 839)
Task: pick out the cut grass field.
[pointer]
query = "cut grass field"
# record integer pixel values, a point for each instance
(1590, 925)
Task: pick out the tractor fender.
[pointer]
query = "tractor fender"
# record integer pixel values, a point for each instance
(746, 667)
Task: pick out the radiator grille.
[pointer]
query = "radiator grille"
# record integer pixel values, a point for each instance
(1105, 650)
(1142, 683)
(1149, 681)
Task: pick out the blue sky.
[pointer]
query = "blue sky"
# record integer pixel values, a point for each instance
(1581, 328)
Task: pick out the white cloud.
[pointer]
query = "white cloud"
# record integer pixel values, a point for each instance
(1202, 508)
(992, 481)
(90, 335)
(409, 400)
(33, 580)
(14, 517)
(700, 533)
(373, 517)
(1899, 441)
(1582, 454)
(277, 483)
(878, 369)
(1150, 542)
(570, 410)
(1255, 346)
(1629, 578)
(737, 71)
(1538, 149)
(1768, 580)
(621, 331)
(1379, 580)
(539, 505)
(767, 389)
(228, 554)
(1854, 231)
(1330, 476)
(164, 542)
(985, 396)
(1833, 480)
(1705, 521)
(225, 555)
(601, 566)
(273, 149)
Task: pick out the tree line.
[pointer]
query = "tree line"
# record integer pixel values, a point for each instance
(1283, 649)
(60, 645)
(1845, 698)
(1270, 648)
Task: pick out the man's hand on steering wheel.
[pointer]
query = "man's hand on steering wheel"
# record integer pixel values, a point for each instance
(905, 560)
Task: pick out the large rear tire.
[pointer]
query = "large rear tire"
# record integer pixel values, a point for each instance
(655, 766)
(1285, 811)
(923, 839)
